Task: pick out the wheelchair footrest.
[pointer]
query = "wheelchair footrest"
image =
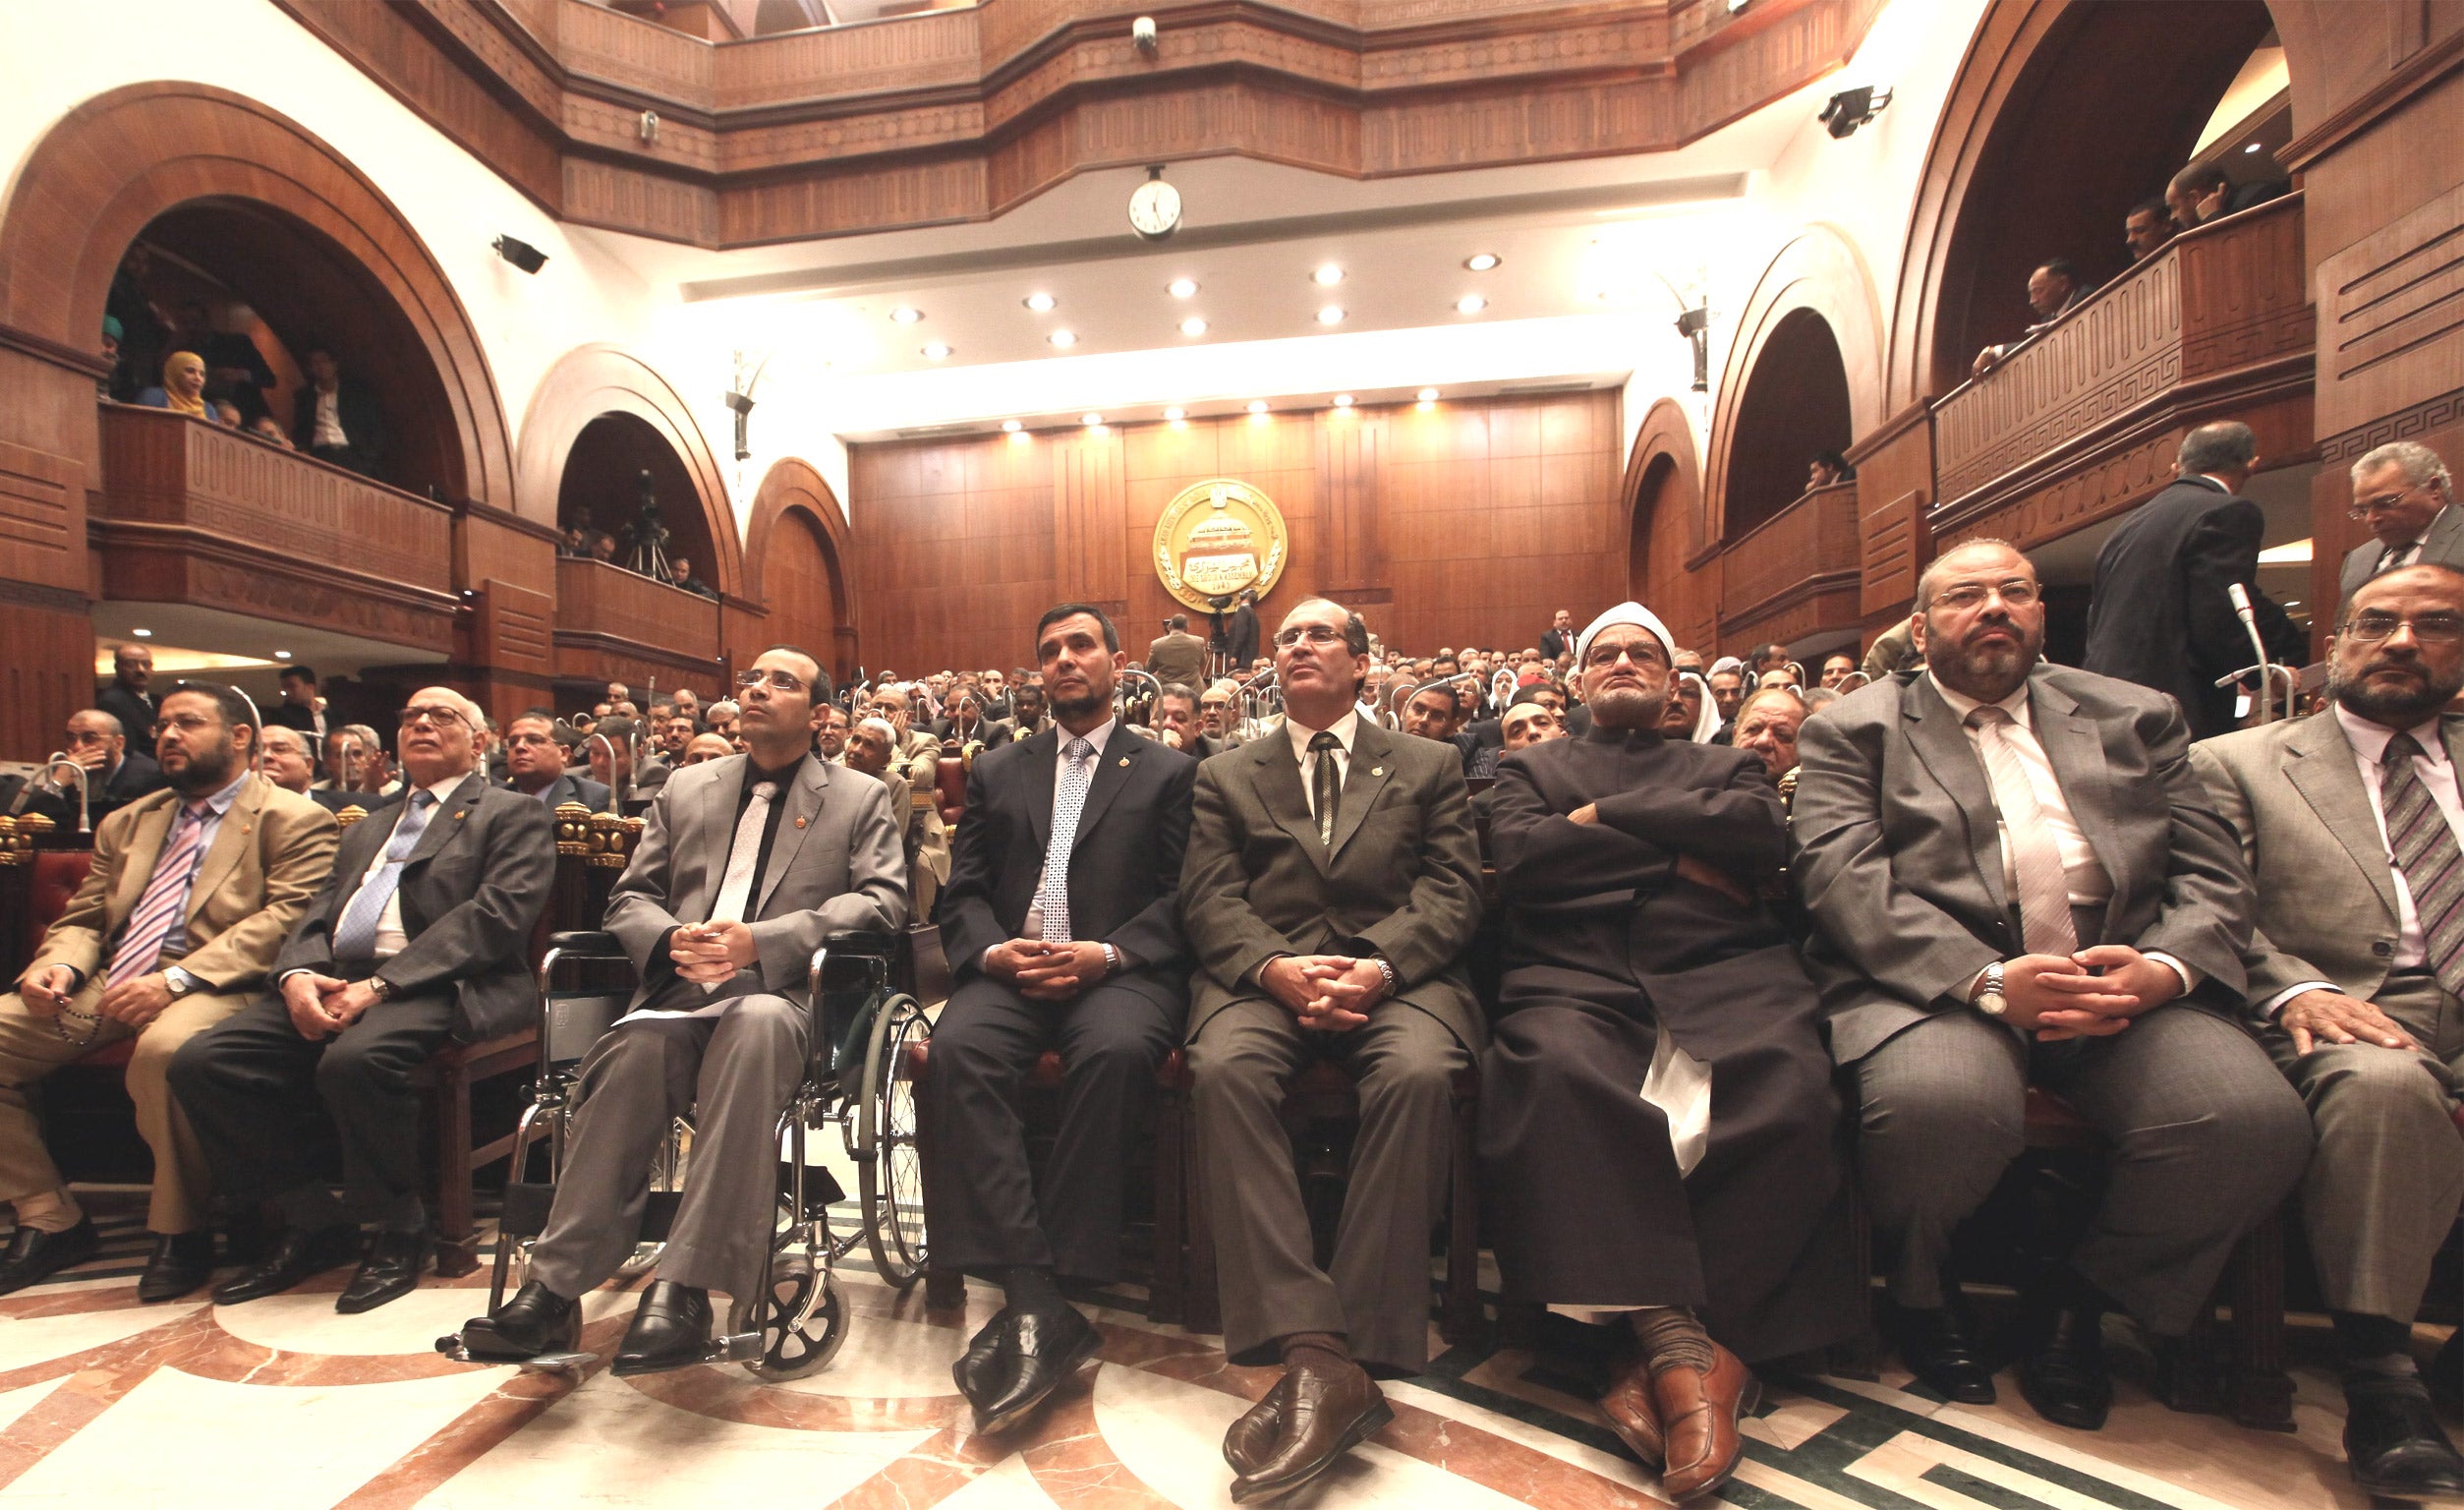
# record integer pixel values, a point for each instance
(658, 1214)
(821, 1189)
(526, 1207)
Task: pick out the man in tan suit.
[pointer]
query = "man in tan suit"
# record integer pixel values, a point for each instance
(2353, 828)
(1331, 885)
(1176, 654)
(192, 893)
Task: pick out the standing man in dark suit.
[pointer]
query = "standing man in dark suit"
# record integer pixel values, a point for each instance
(2016, 877)
(420, 932)
(1558, 637)
(126, 696)
(2356, 841)
(1061, 925)
(2403, 492)
(1176, 654)
(336, 418)
(1332, 886)
(1245, 630)
(534, 765)
(748, 865)
(2161, 614)
(297, 708)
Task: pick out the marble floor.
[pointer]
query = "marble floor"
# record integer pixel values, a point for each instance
(282, 1403)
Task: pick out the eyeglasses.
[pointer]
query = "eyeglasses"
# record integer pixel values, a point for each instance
(443, 718)
(2433, 629)
(185, 722)
(2382, 503)
(1315, 635)
(2016, 592)
(1643, 653)
(777, 682)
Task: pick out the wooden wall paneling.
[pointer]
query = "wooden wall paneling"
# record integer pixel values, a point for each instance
(614, 626)
(1090, 520)
(1350, 559)
(792, 487)
(959, 551)
(1895, 470)
(510, 661)
(1794, 575)
(48, 672)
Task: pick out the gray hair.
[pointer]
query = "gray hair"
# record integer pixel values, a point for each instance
(2227, 445)
(2421, 464)
(96, 713)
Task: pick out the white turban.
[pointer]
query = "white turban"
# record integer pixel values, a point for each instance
(1707, 721)
(1628, 612)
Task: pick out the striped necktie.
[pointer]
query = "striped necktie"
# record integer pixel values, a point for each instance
(1326, 783)
(354, 934)
(2035, 860)
(166, 902)
(2425, 851)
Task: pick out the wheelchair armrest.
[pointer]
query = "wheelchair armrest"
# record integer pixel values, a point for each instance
(590, 942)
(871, 945)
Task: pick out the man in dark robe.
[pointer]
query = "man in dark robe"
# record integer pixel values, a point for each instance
(1658, 1128)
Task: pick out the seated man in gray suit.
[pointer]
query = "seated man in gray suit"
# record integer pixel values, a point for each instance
(534, 765)
(1332, 886)
(2403, 492)
(2352, 828)
(2016, 877)
(421, 931)
(747, 867)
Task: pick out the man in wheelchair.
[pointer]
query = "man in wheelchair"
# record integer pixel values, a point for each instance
(746, 866)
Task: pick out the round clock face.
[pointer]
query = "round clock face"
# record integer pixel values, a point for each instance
(1155, 210)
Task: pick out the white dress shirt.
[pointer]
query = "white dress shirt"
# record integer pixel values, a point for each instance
(389, 937)
(328, 426)
(1346, 729)
(2370, 746)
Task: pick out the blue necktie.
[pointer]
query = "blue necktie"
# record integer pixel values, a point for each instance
(355, 936)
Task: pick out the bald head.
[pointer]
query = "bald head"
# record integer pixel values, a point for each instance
(443, 735)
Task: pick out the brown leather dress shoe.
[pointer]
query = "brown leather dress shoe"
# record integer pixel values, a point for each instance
(1323, 1411)
(1250, 1440)
(1632, 1411)
(1699, 1416)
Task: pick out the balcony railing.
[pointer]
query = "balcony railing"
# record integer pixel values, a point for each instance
(1801, 558)
(606, 609)
(2213, 304)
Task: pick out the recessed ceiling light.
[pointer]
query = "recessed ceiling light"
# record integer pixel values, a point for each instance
(1483, 262)
(1090, 420)
(282, 655)
(1257, 406)
(1182, 288)
(1332, 314)
(1470, 303)
(1427, 395)
(935, 351)
(143, 634)
(1328, 276)
(1176, 413)
(1039, 303)
(1064, 338)
(1343, 400)
(906, 315)
(1193, 325)
(2253, 146)
(1012, 425)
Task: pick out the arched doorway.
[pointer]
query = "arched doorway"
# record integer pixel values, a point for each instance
(632, 420)
(796, 549)
(602, 490)
(1796, 406)
(803, 603)
(1664, 526)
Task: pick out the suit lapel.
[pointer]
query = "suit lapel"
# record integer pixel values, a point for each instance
(444, 820)
(146, 845)
(234, 835)
(2075, 747)
(1372, 753)
(1112, 772)
(1043, 753)
(2319, 762)
(1279, 788)
(804, 804)
(1942, 744)
(715, 814)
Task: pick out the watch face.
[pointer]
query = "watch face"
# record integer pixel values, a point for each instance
(1153, 208)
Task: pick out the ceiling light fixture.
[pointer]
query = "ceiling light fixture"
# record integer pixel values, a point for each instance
(1090, 421)
(282, 655)
(1039, 303)
(143, 634)
(1332, 314)
(1064, 339)
(1257, 406)
(2253, 146)
(1175, 414)
(1470, 303)
(906, 315)
(1327, 275)
(1483, 262)
(1182, 288)
(1193, 325)
(935, 351)
(1427, 395)
(1343, 400)
(1012, 425)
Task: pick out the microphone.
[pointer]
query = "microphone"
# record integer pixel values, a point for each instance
(2240, 604)
(2249, 617)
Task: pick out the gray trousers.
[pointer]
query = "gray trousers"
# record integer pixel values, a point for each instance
(734, 1073)
(2205, 1142)
(2382, 1189)
(1378, 1293)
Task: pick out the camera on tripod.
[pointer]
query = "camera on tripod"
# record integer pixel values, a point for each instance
(649, 534)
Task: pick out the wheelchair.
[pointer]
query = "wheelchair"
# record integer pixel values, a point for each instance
(856, 1074)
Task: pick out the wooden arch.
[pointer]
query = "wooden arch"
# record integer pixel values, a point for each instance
(116, 163)
(597, 380)
(791, 486)
(1664, 478)
(1818, 270)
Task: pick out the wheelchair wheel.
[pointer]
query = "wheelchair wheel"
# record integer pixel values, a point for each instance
(788, 1351)
(889, 1168)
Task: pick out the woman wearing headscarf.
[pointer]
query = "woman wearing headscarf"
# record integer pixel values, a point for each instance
(182, 389)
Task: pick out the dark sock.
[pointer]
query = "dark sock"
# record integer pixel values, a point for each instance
(2375, 1352)
(2071, 1290)
(1331, 1347)
(1030, 1287)
(1672, 1338)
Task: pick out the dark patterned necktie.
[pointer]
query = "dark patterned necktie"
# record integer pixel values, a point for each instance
(1326, 784)
(2425, 851)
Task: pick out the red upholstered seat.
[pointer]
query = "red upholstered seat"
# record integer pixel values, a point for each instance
(1172, 1075)
(950, 787)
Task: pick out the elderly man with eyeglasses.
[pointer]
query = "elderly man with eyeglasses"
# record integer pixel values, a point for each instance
(2403, 492)
(420, 932)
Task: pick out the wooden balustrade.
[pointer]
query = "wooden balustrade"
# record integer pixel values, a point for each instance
(616, 624)
(1796, 571)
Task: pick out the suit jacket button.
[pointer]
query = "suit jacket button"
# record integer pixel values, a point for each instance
(2382, 949)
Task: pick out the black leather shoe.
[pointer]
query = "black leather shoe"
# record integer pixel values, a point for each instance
(181, 1263)
(1035, 1353)
(35, 1254)
(1936, 1345)
(536, 1321)
(390, 1271)
(977, 1370)
(297, 1255)
(672, 1330)
(2063, 1377)
(2393, 1444)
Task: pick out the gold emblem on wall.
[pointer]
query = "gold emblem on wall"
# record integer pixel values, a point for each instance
(1217, 536)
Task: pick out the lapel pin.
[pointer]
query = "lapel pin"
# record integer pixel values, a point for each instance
(1377, 769)
(1124, 759)
(457, 815)
(799, 823)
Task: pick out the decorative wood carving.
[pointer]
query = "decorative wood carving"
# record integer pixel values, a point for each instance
(605, 610)
(42, 514)
(1894, 489)
(2391, 309)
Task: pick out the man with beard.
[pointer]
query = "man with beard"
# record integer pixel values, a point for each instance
(192, 893)
(2352, 827)
(1061, 925)
(748, 865)
(1640, 972)
(2017, 878)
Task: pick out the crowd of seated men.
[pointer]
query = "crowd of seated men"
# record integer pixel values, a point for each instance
(2239, 959)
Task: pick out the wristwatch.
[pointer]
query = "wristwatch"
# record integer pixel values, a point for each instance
(383, 988)
(178, 982)
(1989, 998)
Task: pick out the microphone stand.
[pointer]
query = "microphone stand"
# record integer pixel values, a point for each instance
(2265, 672)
